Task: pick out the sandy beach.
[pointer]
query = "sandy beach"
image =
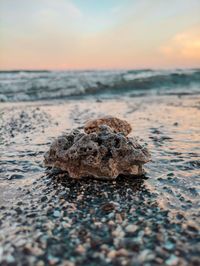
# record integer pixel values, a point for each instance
(50, 219)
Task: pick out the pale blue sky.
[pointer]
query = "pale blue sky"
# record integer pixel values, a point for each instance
(99, 33)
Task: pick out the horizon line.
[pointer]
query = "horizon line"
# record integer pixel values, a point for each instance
(93, 69)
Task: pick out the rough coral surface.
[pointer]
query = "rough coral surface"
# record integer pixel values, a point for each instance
(116, 124)
(103, 154)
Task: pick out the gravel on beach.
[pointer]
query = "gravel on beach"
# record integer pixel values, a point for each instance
(50, 219)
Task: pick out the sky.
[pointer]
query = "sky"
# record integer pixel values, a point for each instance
(99, 34)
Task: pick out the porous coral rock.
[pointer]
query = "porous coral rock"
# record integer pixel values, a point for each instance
(116, 125)
(103, 154)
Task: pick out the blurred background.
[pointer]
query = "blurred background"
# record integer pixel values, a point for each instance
(92, 34)
(52, 49)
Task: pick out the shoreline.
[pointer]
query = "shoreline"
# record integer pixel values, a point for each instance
(102, 98)
(56, 220)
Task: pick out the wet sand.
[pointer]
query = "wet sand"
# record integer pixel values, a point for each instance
(50, 219)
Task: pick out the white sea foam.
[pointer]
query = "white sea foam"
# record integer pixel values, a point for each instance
(39, 85)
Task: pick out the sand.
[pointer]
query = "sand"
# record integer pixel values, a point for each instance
(50, 219)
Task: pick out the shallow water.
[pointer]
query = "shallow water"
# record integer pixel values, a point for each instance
(168, 197)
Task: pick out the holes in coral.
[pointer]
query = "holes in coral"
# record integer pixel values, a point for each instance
(107, 156)
(99, 141)
(83, 149)
(65, 147)
(95, 153)
(117, 143)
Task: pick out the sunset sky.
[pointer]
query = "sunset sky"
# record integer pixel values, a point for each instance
(88, 34)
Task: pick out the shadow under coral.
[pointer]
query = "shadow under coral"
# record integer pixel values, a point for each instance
(92, 190)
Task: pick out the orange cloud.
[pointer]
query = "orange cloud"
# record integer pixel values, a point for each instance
(185, 45)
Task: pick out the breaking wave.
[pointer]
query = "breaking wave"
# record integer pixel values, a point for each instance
(45, 85)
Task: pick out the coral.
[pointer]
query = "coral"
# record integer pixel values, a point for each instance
(103, 152)
(116, 124)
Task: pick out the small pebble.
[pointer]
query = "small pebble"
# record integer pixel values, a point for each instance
(131, 228)
(172, 261)
(10, 259)
(56, 214)
(44, 198)
(108, 207)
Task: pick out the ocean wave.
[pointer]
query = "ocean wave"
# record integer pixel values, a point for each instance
(44, 85)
